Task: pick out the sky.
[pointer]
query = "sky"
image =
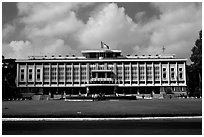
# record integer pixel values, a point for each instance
(141, 28)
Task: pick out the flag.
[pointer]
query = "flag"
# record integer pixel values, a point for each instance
(104, 45)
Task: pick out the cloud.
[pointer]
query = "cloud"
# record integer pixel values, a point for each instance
(55, 28)
(7, 31)
(17, 49)
(112, 26)
(139, 16)
(179, 23)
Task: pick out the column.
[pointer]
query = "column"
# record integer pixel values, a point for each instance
(184, 72)
(34, 71)
(145, 71)
(130, 73)
(168, 73)
(79, 73)
(115, 72)
(96, 66)
(153, 73)
(50, 74)
(57, 75)
(123, 74)
(42, 74)
(138, 75)
(72, 74)
(26, 74)
(176, 71)
(17, 74)
(64, 74)
(87, 73)
(160, 65)
(105, 66)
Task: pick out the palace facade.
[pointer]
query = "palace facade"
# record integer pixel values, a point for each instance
(102, 71)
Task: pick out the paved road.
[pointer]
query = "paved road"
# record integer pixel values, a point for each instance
(134, 127)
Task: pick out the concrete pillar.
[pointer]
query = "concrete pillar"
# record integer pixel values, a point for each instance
(176, 71)
(153, 79)
(130, 73)
(123, 74)
(115, 72)
(72, 74)
(168, 66)
(105, 66)
(145, 73)
(26, 74)
(17, 75)
(50, 76)
(57, 74)
(87, 72)
(138, 74)
(42, 74)
(184, 72)
(34, 71)
(79, 73)
(64, 74)
(160, 65)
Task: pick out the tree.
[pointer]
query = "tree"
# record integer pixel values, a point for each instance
(196, 67)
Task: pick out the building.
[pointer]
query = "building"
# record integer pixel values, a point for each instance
(102, 71)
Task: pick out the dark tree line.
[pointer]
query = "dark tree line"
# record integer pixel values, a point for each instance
(194, 71)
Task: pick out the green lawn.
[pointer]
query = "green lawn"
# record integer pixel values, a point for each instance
(123, 108)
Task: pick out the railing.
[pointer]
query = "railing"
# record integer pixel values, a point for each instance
(101, 79)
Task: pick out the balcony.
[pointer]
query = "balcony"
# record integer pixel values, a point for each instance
(102, 79)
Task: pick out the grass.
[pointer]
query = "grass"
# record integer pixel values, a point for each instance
(123, 108)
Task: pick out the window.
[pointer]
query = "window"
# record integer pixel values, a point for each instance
(172, 73)
(142, 75)
(46, 73)
(157, 73)
(134, 73)
(127, 74)
(119, 73)
(83, 73)
(54, 74)
(149, 73)
(180, 73)
(22, 74)
(38, 74)
(164, 73)
(68, 73)
(76, 73)
(61, 73)
(30, 74)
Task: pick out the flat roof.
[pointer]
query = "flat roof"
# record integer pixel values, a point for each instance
(101, 60)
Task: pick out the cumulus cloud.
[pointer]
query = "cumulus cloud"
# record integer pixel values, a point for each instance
(178, 22)
(7, 31)
(139, 16)
(16, 49)
(111, 25)
(55, 28)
